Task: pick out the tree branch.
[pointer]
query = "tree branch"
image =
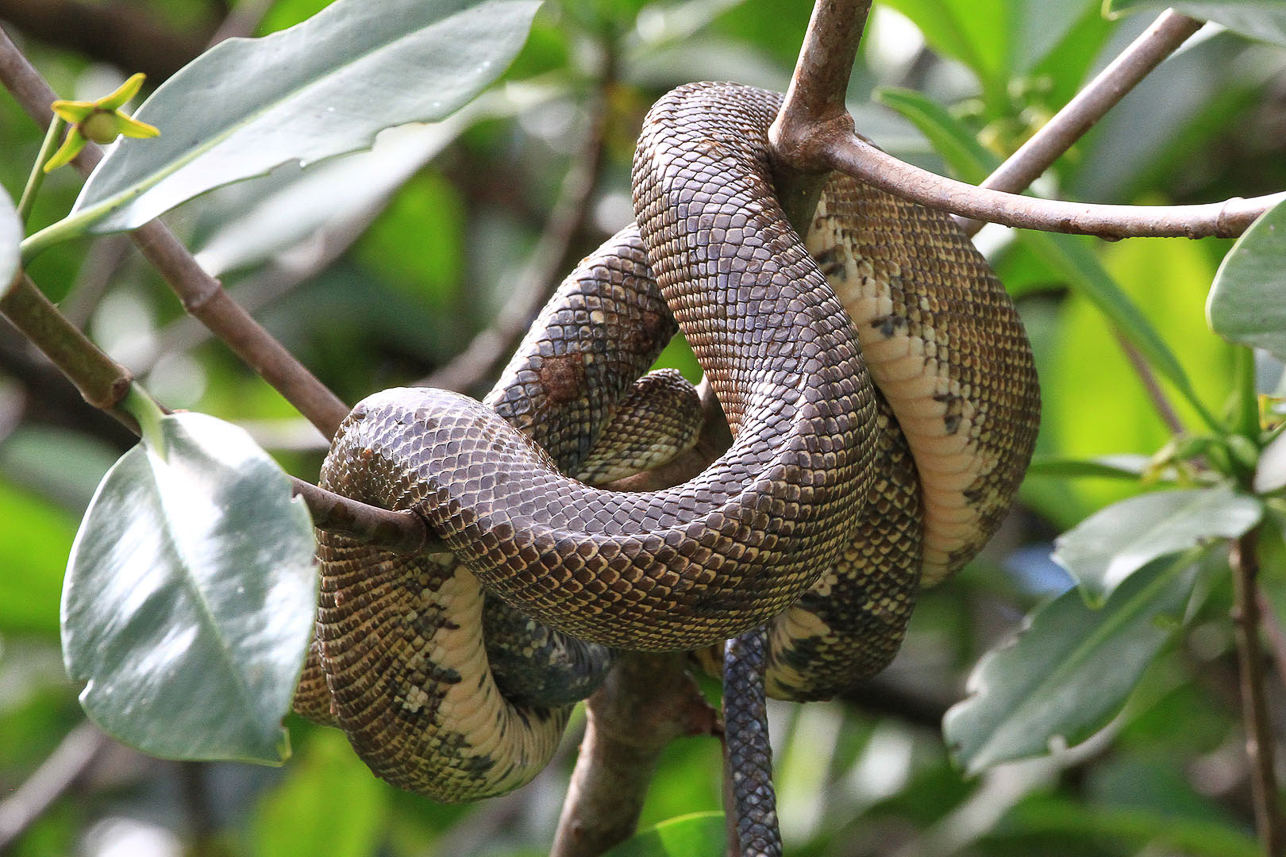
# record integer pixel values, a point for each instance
(1250, 662)
(647, 701)
(59, 772)
(1162, 38)
(850, 154)
(201, 294)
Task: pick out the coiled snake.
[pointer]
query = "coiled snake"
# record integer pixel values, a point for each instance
(838, 498)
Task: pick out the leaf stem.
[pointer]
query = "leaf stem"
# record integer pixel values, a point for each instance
(1244, 559)
(149, 414)
(37, 176)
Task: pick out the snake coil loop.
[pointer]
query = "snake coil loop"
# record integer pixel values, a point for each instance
(836, 497)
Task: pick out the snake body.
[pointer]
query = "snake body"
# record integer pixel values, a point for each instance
(821, 517)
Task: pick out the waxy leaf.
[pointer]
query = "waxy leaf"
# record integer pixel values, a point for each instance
(321, 88)
(1069, 672)
(1247, 302)
(1110, 545)
(190, 595)
(1259, 19)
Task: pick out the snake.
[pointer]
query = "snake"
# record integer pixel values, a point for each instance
(883, 405)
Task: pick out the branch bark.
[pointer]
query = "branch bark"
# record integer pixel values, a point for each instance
(1250, 663)
(1136, 62)
(647, 701)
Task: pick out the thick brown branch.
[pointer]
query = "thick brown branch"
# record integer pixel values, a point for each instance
(1250, 664)
(1162, 38)
(647, 701)
(853, 155)
(117, 33)
(815, 99)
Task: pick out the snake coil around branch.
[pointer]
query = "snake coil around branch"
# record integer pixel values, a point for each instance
(883, 402)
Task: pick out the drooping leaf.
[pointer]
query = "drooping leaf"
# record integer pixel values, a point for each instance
(10, 241)
(1259, 19)
(1107, 547)
(189, 596)
(700, 834)
(1247, 302)
(321, 88)
(1069, 672)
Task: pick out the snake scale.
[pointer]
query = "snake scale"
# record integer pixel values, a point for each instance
(875, 450)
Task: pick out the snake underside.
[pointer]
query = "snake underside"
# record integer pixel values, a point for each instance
(871, 454)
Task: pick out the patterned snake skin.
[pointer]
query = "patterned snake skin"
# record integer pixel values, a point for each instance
(821, 520)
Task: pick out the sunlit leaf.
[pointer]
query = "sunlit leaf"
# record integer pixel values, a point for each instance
(975, 32)
(701, 834)
(321, 88)
(1069, 671)
(189, 596)
(1258, 19)
(1247, 302)
(299, 819)
(10, 240)
(1107, 547)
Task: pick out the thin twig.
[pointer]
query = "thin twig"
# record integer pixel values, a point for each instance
(1151, 385)
(541, 275)
(58, 773)
(1131, 66)
(853, 155)
(647, 701)
(1250, 662)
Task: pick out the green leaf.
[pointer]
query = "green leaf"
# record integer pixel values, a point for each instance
(975, 32)
(701, 834)
(321, 88)
(1107, 547)
(1127, 467)
(299, 818)
(1264, 20)
(10, 242)
(1069, 672)
(960, 149)
(189, 596)
(1247, 303)
(250, 222)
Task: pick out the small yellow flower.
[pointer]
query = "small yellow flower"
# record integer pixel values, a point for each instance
(101, 121)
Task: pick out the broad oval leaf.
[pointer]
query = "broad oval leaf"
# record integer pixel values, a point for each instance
(190, 596)
(1069, 672)
(1247, 302)
(10, 242)
(1110, 545)
(1259, 19)
(701, 834)
(321, 88)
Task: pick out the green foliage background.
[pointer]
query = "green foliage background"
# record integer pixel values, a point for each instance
(431, 264)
